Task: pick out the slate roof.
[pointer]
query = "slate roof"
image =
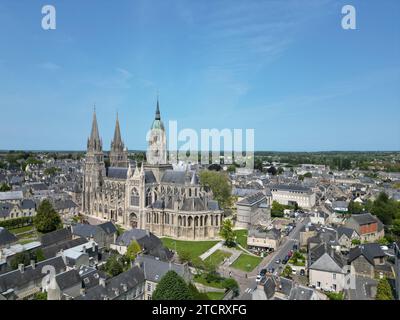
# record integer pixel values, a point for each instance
(368, 250)
(290, 187)
(131, 278)
(252, 199)
(213, 205)
(64, 204)
(147, 241)
(327, 263)
(108, 227)
(155, 269)
(6, 237)
(300, 293)
(15, 279)
(56, 236)
(5, 209)
(341, 230)
(28, 204)
(364, 218)
(117, 173)
(51, 251)
(149, 177)
(172, 176)
(11, 195)
(193, 204)
(68, 279)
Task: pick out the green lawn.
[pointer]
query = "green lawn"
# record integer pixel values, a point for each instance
(195, 248)
(215, 295)
(22, 229)
(24, 241)
(200, 279)
(246, 262)
(241, 237)
(218, 256)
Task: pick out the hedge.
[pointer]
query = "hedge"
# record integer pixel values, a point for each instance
(16, 222)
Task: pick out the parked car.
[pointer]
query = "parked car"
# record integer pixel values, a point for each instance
(285, 260)
(258, 279)
(295, 247)
(278, 261)
(271, 270)
(302, 272)
(263, 272)
(294, 271)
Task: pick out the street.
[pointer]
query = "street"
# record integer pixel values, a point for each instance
(249, 284)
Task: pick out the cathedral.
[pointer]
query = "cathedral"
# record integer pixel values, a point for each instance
(156, 197)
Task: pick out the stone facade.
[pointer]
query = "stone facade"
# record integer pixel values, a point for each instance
(154, 197)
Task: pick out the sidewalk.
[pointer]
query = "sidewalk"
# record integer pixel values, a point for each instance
(210, 251)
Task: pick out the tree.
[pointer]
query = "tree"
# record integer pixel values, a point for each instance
(287, 272)
(113, 266)
(277, 209)
(355, 207)
(231, 284)
(196, 295)
(384, 290)
(227, 233)
(4, 187)
(133, 250)
(172, 287)
(220, 186)
(40, 296)
(184, 256)
(308, 175)
(335, 295)
(272, 170)
(46, 219)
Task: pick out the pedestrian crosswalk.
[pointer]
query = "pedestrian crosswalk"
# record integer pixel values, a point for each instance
(248, 290)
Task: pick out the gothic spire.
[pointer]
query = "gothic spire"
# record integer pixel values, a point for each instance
(117, 133)
(95, 130)
(94, 142)
(158, 117)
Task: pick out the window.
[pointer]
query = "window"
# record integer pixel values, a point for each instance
(334, 287)
(334, 276)
(318, 284)
(149, 287)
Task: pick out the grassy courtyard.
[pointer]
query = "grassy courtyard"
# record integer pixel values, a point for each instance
(195, 248)
(218, 257)
(241, 237)
(215, 295)
(246, 262)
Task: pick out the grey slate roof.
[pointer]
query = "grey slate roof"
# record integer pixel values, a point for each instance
(108, 227)
(131, 278)
(11, 195)
(51, 251)
(68, 279)
(252, 199)
(368, 250)
(193, 204)
(56, 236)
(290, 187)
(151, 244)
(149, 177)
(16, 278)
(6, 237)
(364, 218)
(5, 209)
(301, 293)
(155, 269)
(341, 230)
(28, 204)
(117, 173)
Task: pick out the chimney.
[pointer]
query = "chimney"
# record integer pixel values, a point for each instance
(102, 282)
(94, 246)
(124, 287)
(83, 248)
(33, 264)
(116, 291)
(21, 267)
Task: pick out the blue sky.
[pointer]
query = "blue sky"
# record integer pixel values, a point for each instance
(285, 68)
